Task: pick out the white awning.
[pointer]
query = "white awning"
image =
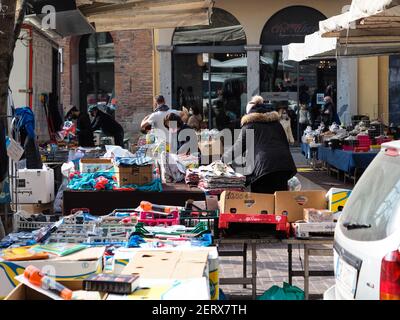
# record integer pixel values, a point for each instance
(313, 45)
(359, 9)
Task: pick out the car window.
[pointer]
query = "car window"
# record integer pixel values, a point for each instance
(375, 201)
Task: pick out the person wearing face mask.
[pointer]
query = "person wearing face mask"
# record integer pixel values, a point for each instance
(286, 124)
(195, 118)
(83, 126)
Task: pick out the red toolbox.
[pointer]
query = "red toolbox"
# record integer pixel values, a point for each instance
(280, 221)
(156, 219)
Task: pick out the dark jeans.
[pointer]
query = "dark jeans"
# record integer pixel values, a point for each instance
(270, 183)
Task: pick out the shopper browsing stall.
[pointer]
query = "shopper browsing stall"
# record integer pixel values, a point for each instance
(110, 127)
(83, 127)
(273, 164)
(286, 124)
(156, 119)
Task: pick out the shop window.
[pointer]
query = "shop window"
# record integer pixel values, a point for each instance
(288, 84)
(96, 68)
(210, 64)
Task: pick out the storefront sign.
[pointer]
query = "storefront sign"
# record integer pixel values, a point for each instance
(290, 25)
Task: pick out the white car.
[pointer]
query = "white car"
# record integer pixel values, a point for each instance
(367, 235)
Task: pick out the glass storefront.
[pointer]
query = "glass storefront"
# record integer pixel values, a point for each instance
(96, 69)
(210, 66)
(288, 84)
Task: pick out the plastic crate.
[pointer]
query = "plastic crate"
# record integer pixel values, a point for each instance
(153, 219)
(23, 224)
(280, 221)
(191, 218)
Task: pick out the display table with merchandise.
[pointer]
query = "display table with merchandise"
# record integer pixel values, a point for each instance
(104, 202)
(346, 161)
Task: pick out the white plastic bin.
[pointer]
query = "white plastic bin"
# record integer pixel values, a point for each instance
(35, 186)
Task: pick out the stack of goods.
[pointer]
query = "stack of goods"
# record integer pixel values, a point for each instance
(217, 177)
(350, 143)
(192, 177)
(364, 143)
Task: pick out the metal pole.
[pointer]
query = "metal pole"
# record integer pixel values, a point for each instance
(298, 103)
(209, 94)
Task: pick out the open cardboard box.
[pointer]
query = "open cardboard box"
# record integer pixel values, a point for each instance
(168, 264)
(72, 267)
(24, 292)
(294, 202)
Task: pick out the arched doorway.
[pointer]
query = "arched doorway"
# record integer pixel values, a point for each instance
(210, 68)
(290, 84)
(96, 69)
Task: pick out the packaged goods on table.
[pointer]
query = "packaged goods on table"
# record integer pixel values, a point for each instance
(217, 177)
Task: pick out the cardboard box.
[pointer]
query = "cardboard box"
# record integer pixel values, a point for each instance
(24, 292)
(46, 208)
(75, 266)
(168, 264)
(337, 198)
(317, 215)
(247, 203)
(134, 175)
(124, 255)
(168, 289)
(88, 165)
(293, 203)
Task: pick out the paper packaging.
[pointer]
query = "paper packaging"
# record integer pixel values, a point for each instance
(24, 292)
(337, 198)
(317, 215)
(210, 148)
(72, 267)
(293, 203)
(87, 165)
(247, 203)
(35, 186)
(124, 255)
(134, 175)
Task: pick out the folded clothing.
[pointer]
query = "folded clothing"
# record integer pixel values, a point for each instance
(139, 160)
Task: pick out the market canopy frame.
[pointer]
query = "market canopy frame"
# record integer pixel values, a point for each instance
(88, 16)
(369, 28)
(115, 15)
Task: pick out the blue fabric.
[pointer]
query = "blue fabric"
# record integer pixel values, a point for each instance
(138, 160)
(346, 161)
(87, 181)
(154, 186)
(5, 196)
(305, 150)
(26, 119)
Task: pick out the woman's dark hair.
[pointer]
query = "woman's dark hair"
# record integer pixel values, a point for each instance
(196, 110)
(160, 99)
(173, 117)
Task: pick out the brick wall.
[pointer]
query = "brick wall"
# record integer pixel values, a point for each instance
(133, 76)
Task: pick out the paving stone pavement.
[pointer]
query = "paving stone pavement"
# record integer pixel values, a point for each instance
(272, 269)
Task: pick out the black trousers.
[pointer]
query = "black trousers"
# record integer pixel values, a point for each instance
(270, 183)
(119, 139)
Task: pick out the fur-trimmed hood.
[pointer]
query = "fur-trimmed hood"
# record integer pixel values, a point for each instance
(260, 117)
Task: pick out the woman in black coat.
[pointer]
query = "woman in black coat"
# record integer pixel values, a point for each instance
(273, 164)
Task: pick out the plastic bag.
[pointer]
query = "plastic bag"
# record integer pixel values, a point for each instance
(288, 292)
(294, 184)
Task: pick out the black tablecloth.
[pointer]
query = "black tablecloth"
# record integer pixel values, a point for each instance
(104, 202)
